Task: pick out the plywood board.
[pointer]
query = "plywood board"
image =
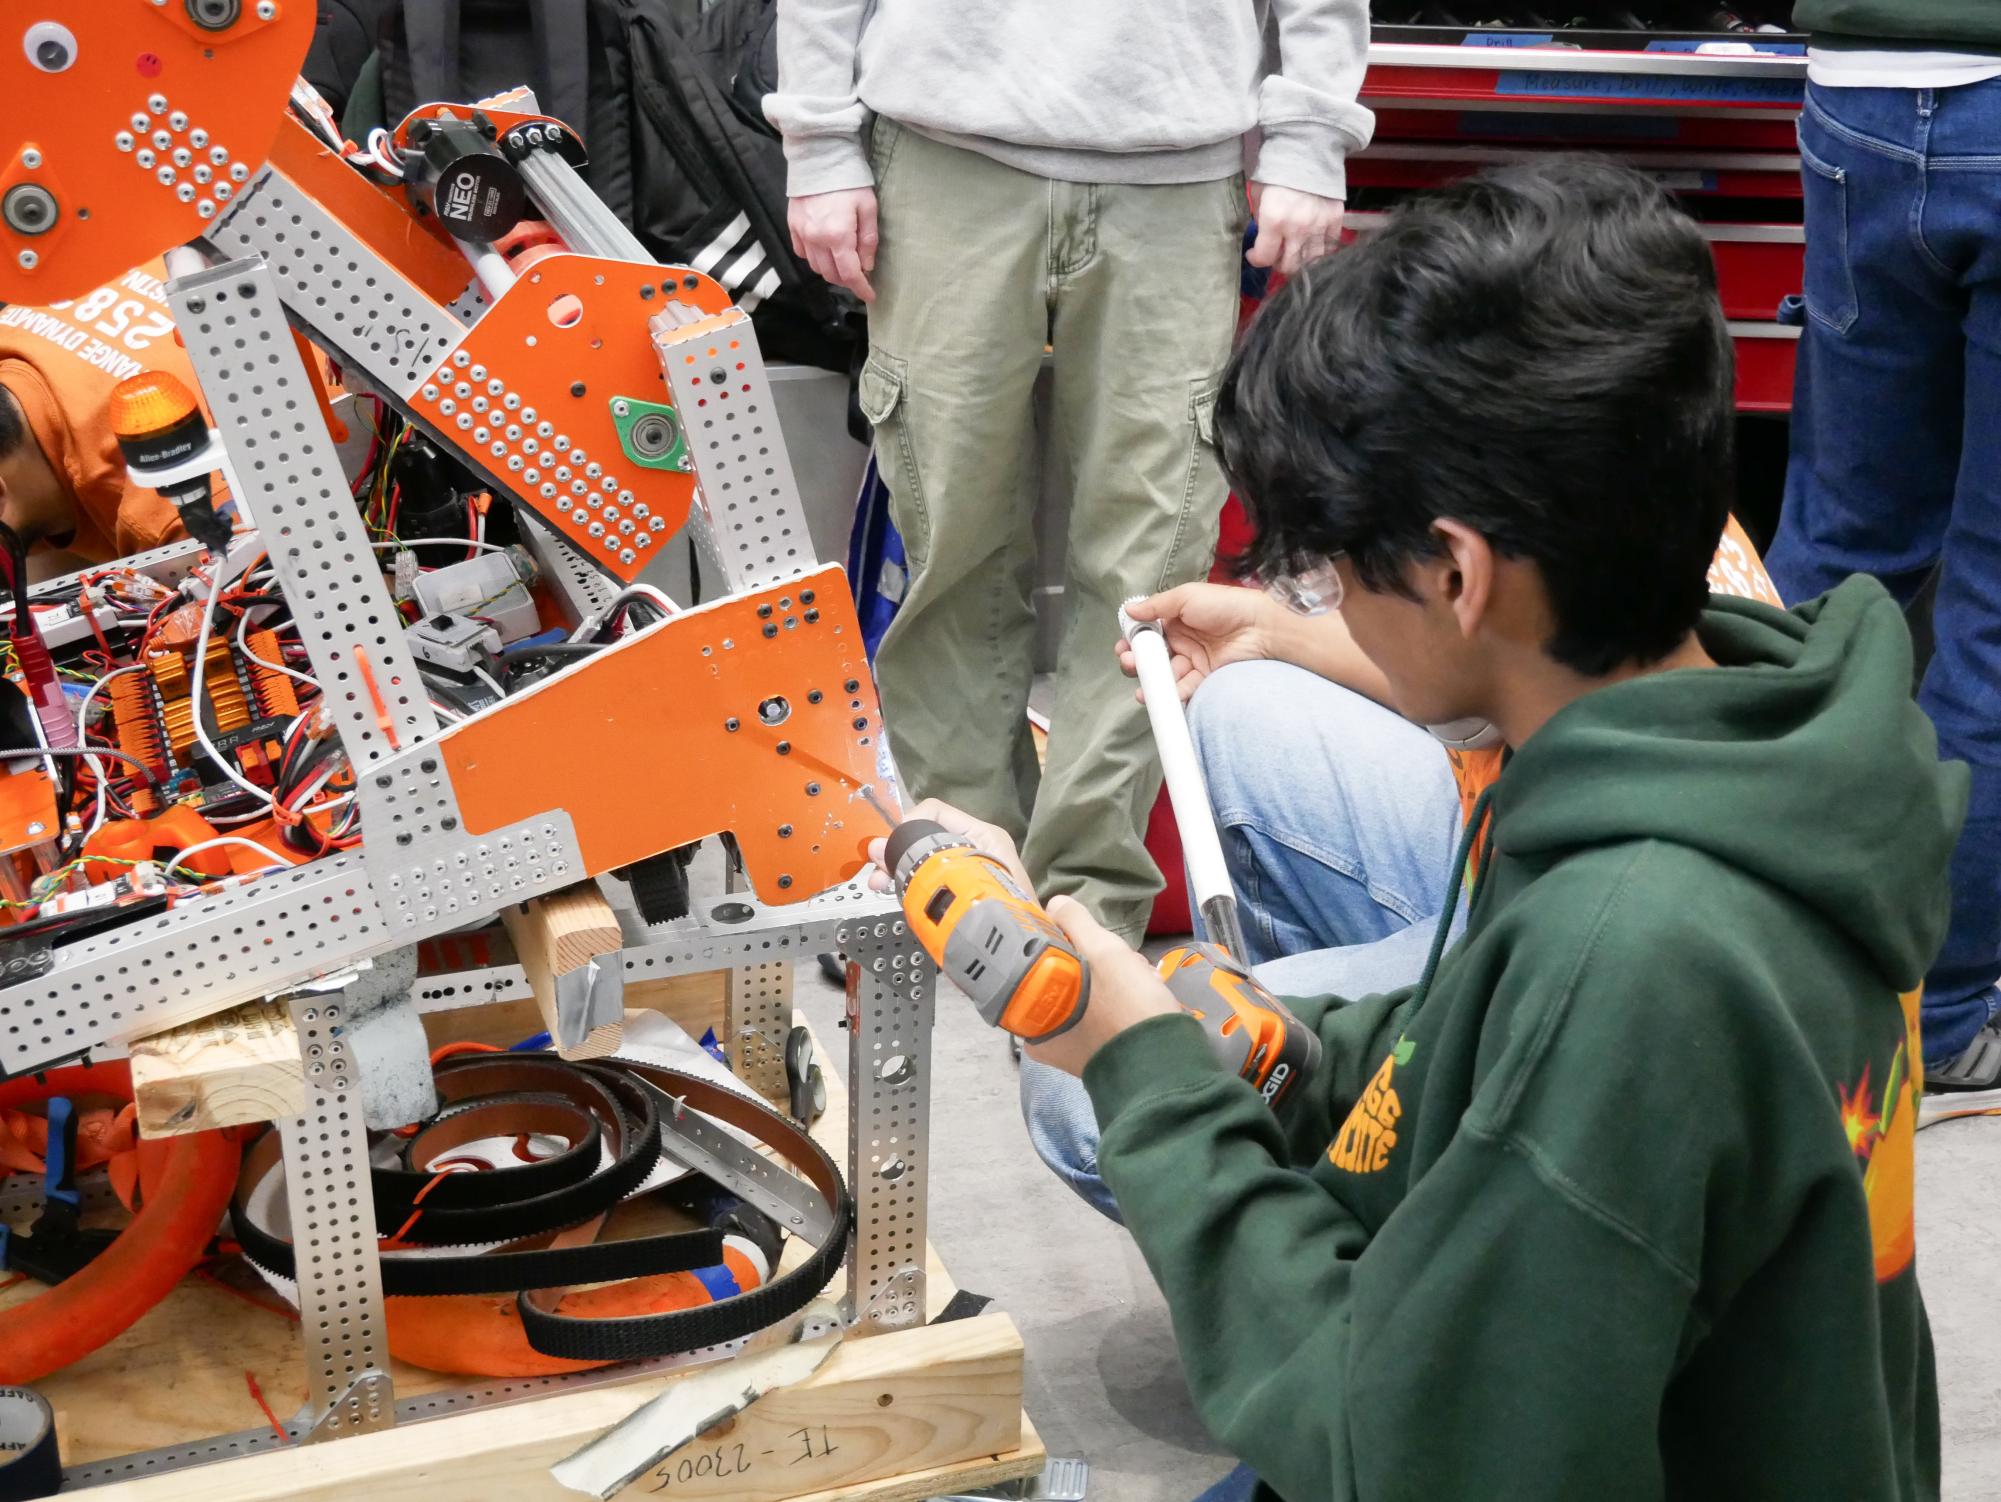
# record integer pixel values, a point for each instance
(922, 1399)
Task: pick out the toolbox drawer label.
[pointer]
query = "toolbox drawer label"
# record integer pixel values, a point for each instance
(1692, 88)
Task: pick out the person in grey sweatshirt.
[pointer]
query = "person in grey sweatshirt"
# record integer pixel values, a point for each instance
(998, 179)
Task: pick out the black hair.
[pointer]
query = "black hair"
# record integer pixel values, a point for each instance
(13, 424)
(1537, 353)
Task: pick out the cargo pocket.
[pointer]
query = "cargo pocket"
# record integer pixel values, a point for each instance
(1830, 283)
(1202, 495)
(883, 402)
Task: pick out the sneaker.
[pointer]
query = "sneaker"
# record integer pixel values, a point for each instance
(1977, 1067)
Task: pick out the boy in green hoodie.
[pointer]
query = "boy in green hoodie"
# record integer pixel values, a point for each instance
(1616, 1203)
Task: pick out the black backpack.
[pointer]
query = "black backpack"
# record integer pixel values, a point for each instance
(342, 43)
(668, 95)
(712, 169)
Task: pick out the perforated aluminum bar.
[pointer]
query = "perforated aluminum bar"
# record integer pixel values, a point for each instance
(757, 1016)
(889, 1122)
(354, 300)
(332, 1204)
(161, 971)
(580, 585)
(749, 522)
(234, 327)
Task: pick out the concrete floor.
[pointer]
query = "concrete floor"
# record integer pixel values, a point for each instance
(1103, 1382)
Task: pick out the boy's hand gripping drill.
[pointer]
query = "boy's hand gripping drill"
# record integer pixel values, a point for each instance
(998, 946)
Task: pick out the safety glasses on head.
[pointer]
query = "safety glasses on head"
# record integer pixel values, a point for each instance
(1312, 589)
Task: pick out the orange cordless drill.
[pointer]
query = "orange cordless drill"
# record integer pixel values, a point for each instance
(1004, 951)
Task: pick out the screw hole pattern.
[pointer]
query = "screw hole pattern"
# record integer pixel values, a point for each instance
(888, 1121)
(333, 1227)
(230, 946)
(337, 284)
(242, 348)
(748, 496)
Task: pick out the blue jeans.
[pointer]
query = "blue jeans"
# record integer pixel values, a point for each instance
(1896, 440)
(1339, 820)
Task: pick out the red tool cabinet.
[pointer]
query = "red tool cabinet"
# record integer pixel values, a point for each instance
(1710, 118)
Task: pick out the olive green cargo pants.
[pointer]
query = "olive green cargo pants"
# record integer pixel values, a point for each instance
(1134, 288)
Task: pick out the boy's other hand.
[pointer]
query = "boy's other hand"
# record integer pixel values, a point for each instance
(1208, 626)
(836, 235)
(1293, 227)
(1125, 990)
(988, 838)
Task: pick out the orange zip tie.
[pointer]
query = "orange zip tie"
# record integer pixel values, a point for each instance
(382, 719)
(257, 1396)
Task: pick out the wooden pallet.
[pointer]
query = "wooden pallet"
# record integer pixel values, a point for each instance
(910, 1414)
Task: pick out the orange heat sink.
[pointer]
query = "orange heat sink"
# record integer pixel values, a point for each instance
(170, 671)
(277, 695)
(178, 715)
(225, 689)
(136, 724)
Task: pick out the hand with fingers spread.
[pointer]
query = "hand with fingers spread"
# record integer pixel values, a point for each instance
(1125, 990)
(835, 233)
(1208, 626)
(1293, 227)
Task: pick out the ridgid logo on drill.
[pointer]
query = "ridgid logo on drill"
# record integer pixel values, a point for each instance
(1363, 1144)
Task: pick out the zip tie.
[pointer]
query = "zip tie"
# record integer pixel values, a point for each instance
(382, 719)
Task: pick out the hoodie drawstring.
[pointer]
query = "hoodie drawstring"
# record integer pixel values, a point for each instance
(1476, 825)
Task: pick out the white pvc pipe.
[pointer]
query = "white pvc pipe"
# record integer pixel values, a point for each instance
(184, 260)
(1200, 847)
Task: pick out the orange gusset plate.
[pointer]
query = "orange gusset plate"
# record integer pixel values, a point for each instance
(636, 745)
(63, 128)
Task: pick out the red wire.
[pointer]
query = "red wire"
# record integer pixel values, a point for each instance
(257, 1394)
(207, 1275)
(446, 1051)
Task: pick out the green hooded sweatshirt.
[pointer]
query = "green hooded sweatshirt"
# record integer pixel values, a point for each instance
(1948, 25)
(1616, 1204)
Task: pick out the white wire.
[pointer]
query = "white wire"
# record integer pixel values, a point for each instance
(197, 848)
(300, 800)
(379, 146)
(443, 542)
(487, 678)
(591, 622)
(83, 739)
(195, 698)
(657, 596)
(243, 649)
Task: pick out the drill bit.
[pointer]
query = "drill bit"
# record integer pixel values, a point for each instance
(875, 803)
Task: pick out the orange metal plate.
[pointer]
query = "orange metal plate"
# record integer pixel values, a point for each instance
(115, 213)
(568, 372)
(381, 219)
(27, 798)
(636, 745)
